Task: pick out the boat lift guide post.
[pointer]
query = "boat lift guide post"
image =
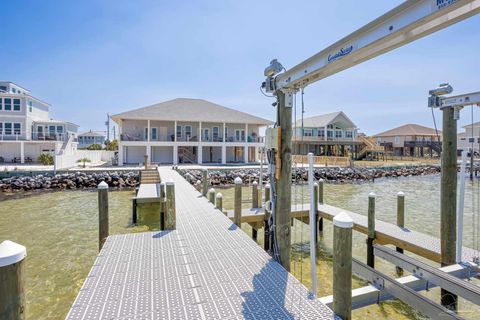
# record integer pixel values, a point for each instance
(406, 23)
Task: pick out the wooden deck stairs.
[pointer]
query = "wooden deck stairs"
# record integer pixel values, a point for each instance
(149, 176)
(369, 145)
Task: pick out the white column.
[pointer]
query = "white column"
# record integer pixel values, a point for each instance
(199, 154)
(246, 132)
(245, 153)
(120, 154)
(175, 131)
(22, 152)
(148, 131)
(200, 131)
(175, 150)
(223, 133)
(224, 154)
(149, 151)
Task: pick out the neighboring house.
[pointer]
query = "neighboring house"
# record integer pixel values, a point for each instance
(411, 140)
(88, 138)
(26, 130)
(331, 134)
(470, 137)
(188, 131)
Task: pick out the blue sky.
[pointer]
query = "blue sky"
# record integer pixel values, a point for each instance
(90, 57)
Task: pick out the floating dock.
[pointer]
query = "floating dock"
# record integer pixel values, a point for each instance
(207, 268)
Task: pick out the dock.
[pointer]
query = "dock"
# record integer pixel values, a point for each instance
(386, 233)
(207, 268)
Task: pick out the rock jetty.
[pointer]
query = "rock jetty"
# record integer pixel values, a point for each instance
(300, 175)
(77, 180)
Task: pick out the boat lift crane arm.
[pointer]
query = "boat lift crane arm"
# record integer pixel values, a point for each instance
(406, 23)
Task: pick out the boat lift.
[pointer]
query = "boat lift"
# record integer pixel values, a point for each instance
(406, 23)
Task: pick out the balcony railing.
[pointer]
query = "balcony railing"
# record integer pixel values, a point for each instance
(318, 139)
(34, 136)
(193, 138)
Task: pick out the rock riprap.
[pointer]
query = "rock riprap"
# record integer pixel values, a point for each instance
(77, 180)
(299, 175)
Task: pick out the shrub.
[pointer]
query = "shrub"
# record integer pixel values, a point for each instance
(94, 146)
(46, 159)
(111, 145)
(84, 160)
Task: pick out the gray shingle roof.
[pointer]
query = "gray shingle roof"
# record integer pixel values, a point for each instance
(182, 109)
(92, 134)
(325, 119)
(409, 130)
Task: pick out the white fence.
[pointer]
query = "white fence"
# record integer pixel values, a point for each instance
(65, 161)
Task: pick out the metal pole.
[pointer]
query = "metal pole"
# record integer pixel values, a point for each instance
(342, 265)
(461, 205)
(313, 227)
(371, 230)
(12, 280)
(102, 213)
(283, 192)
(237, 203)
(448, 208)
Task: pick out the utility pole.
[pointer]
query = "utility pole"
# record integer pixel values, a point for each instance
(114, 135)
(107, 123)
(448, 208)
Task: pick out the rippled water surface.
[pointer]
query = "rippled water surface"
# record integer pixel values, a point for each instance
(60, 232)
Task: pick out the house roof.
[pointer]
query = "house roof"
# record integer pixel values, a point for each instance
(56, 121)
(325, 119)
(92, 134)
(409, 130)
(182, 109)
(475, 125)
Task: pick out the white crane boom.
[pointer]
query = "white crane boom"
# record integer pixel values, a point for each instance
(410, 21)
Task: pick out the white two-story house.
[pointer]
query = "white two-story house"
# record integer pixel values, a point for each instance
(331, 134)
(26, 130)
(188, 131)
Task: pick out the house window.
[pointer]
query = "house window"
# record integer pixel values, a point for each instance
(348, 134)
(1, 128)
(307, 132)
(188, 131)
(8, 128)
(206, 135)
(215, 133)
(16, 104)
(330, 126)
(17, 128)
(14, 90)
(237, 135)
(7, 104)
(226, 133)
(338, 134)
(321, 132)
(3, 88)
(240, 135)
(179, 131)
(154, 133)
(59, 129)
(51, 130)
(330, 134)
(1, 104)
(397, 140)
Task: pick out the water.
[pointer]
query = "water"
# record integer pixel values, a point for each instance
(60, 232)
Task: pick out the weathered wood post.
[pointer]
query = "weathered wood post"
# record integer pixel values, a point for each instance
(254, 194)
(342, 265)
(12, 280)
(320, 200)
(134, 210)
(237, 202)
(266, 224)
(315, 203)
(219, 201)
(145, 161)
(170, 210)
(211, 195)
(448, 207)
(204, 182)
(102, 213)
(198, 185)
(163, 199)
(400, 221)
(371, 230)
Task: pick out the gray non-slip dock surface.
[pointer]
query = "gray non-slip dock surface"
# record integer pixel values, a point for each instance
(148, 192)
(205, 269)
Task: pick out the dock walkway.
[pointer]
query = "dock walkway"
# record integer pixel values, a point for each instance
(205, 269)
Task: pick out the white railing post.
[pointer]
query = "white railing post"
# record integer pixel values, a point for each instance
(313, 224)
(461, 204)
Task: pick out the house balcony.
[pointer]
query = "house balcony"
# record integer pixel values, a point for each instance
(317, 139)
(34, 136)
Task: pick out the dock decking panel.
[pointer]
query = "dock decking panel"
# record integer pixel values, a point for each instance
(148, 192)
(205, 269)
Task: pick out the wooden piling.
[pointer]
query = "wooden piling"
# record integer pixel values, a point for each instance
(170, 210)
(237, 202)
(134, 211)
(266, 224)
(211, 195)
(342, 265)
(448, 207)
(163, 198)
(204, 182)
(255, 194)
(219, 201)
(400, 221)
(102, 213)
(145, 161)
(12, 280)
(371, 230)
(321, 182)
